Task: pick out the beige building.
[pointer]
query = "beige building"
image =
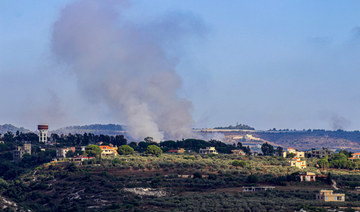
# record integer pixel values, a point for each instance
(238, 152)
(308, 177)
(108, 151)
(297, 162)
(355, 156)
(327, 196)
(61, 152)
(21, 151)
(208, 150)
(290, 150)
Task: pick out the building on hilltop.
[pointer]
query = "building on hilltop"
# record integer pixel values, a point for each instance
(80, 158)
(238, 152)
(319, 153)
(208, 150)
(61, 152)
(355, 156)
(297, 162)
(108, 151)
(328, 195)
(21, 151)
(179, 151)
(291, 150)
(308, 177)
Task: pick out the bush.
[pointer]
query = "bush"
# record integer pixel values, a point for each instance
(125, 150)
(239, 163)
(153, 150)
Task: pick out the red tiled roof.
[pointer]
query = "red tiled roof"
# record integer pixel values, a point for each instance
(356, 153)
(106, 147)
(291, 148)
(172, 151)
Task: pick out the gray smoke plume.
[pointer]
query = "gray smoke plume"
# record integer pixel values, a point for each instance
(126, 65)
(339, 122)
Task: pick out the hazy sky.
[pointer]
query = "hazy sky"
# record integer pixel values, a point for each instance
(283, 64)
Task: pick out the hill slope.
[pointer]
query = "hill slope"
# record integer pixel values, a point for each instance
(97, 129)
(11, 128)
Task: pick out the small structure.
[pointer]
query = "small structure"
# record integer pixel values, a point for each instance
(180, 151)
(328, 195)
(255, 189)
(43, 132)
(238, 152)
(61, 152)
(319, 153)
(21, 151)
(297, 162)
(208, 150)
(291, 150)
(80, 158)
(355, 156)
(108, 151)
(308, 177)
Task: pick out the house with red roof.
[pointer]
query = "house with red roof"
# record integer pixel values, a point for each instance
(355, 156)
(291, 150)
(297, 162)
(108, 151)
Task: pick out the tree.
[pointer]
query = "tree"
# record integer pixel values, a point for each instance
(148, 139)
(267, 149)
(125, 150)
(119, 140)
(252, 179)
(93, 151)
(70, 154)
(279, 151)
(153, 150)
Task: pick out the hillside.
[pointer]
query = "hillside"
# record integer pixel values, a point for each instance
(172, 183)
(302, 140)
(11, 128)
(97, 129)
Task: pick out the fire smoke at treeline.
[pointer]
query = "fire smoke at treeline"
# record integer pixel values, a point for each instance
(125, 65)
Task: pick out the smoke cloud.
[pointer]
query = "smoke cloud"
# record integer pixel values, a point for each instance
(339, 122)
(127, 65)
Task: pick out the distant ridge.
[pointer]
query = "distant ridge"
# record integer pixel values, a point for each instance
(97, 129)
(11, 128)
(236, 127)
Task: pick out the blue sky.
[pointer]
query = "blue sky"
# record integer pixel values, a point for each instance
(282, 64)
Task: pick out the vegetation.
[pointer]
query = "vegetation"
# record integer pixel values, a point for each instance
(237, 126)
(154, 150)
(93, 151)
(191, 182)
(125, 150)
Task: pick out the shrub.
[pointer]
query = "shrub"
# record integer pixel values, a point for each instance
(125, 150)
(239, 163)
(153, 150)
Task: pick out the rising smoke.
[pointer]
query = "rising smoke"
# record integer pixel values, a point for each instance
(126, 65)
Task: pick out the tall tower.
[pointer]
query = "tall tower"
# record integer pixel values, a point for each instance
(43, 130)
